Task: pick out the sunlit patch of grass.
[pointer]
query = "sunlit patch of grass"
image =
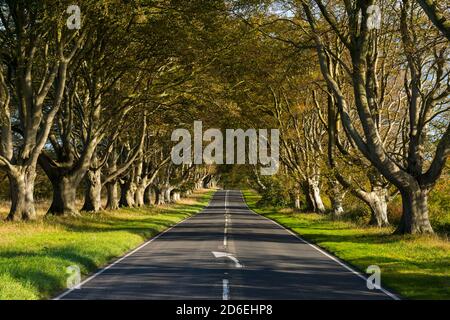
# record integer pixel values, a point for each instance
(417, 267)
(34, 255)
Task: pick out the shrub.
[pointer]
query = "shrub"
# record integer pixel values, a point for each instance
(395, 211)
(276, 194)
(439, 206)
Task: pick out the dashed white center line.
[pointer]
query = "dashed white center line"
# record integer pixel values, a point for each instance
(225, 287)
(226, 290)
(225, 240)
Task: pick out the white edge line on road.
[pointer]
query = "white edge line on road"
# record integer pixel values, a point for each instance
(65, 293)
(359, 274)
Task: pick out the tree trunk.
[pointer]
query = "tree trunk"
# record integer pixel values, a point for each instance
(310, 205)
(22, 195)
(64, 196)
(159, 195)
(297, 199)
(415, 218)
(176, 196)
(377, 201)
(320, 208)
(337, 197)
(127, 194)
(315, 194)
(139, 195)
(93, 192)
(168, 195)
(297, 203)
(199, 184)
(112, 202)
(338, 209)
(212, 183)
(336, 202)
(149, 196)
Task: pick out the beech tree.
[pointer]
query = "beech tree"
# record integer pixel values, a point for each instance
(426, 87)
(96, 176)
(119, 158)
(347, 167)
(435, 10)
(135, 185)
(37, 50)
(302, 138)
(92, 106)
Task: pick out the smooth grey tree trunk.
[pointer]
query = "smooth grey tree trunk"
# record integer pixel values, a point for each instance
(297, 199)
(159, 197)
(93, 192)
(315, 195)
(337, 198)
(297, 204)
(64, 196)
(127, 194)
(149, 196)
(310, 205)
(139, 195)
(112, 202)
(176, 196)
(338, 209)
(415, 218)
(22, 195)
(377, 201)
(167, 195)
(199, 184)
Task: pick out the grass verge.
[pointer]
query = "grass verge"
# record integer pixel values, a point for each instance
(416, 267)
(34, 255)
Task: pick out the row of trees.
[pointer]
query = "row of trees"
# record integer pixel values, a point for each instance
(361, 109)
(94, 107)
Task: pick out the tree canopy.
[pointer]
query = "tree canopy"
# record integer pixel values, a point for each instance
(362, 107)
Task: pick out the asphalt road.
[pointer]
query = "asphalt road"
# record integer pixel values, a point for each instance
(226, 252)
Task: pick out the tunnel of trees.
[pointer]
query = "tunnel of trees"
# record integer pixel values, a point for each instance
(363, 111)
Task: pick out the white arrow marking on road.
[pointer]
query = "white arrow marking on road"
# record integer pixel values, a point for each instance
(229, 256)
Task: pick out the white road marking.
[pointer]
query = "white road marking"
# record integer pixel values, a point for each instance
(225, 231)
(226, 196)
(225, 290)
(390, 294)
(219, 254)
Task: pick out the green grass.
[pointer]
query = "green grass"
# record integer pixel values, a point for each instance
(416, 267)
(34, 256)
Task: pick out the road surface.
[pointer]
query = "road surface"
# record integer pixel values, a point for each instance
(226, 252)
